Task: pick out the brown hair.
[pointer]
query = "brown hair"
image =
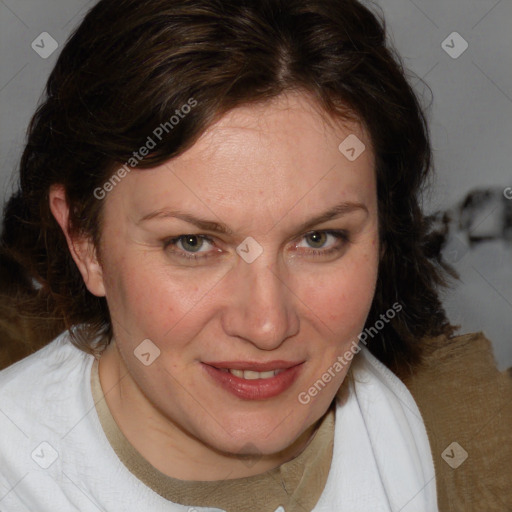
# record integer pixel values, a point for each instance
(128, 67)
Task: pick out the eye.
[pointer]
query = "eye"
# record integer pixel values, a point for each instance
(318, 242)
(189, 245)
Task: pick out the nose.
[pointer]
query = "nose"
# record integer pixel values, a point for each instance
(262, 308)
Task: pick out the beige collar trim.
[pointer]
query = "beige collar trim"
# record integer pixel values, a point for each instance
(295, 485)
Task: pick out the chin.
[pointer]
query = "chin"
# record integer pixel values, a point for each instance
(269, 439)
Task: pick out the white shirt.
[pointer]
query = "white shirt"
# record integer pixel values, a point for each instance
(55, 457)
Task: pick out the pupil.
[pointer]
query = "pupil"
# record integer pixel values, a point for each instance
(192, 240)
(317, 238)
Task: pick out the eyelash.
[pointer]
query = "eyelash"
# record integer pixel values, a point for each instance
(341, 236)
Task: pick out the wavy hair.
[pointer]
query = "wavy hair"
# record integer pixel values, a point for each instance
(131, 63)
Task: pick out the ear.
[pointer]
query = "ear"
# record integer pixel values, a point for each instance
(383, 248)
(81, 248)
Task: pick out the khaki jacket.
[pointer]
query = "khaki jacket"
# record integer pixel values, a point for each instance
(466, 404)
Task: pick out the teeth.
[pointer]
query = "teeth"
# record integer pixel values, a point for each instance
(250, 375)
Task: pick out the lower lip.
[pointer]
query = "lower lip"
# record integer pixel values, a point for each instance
(257, 389)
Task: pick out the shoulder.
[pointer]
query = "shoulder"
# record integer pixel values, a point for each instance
(39, 393)
(466, 404)
(37, 371)
(465, 369)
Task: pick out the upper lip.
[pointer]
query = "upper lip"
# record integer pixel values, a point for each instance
(254, 366)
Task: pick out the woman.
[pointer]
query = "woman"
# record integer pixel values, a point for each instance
(218, 207)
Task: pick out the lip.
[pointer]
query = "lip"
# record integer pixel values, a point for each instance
(253, 365)
(257, 389)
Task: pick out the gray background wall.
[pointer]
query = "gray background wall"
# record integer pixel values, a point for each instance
(470, 119)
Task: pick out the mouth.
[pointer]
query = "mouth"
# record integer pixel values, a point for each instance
(250, 374)
(254, 381)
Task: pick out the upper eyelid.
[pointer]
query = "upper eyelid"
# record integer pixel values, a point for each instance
(338, 233)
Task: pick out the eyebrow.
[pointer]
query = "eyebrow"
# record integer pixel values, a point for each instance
(335, 212)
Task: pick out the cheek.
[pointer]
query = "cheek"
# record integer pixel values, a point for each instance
(149, 301)
(137, 296)
(342, 297)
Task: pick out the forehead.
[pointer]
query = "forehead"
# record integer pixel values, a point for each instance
(291, 131)
(267, 156)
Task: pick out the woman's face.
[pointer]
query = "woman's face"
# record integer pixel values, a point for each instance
(269, 289)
